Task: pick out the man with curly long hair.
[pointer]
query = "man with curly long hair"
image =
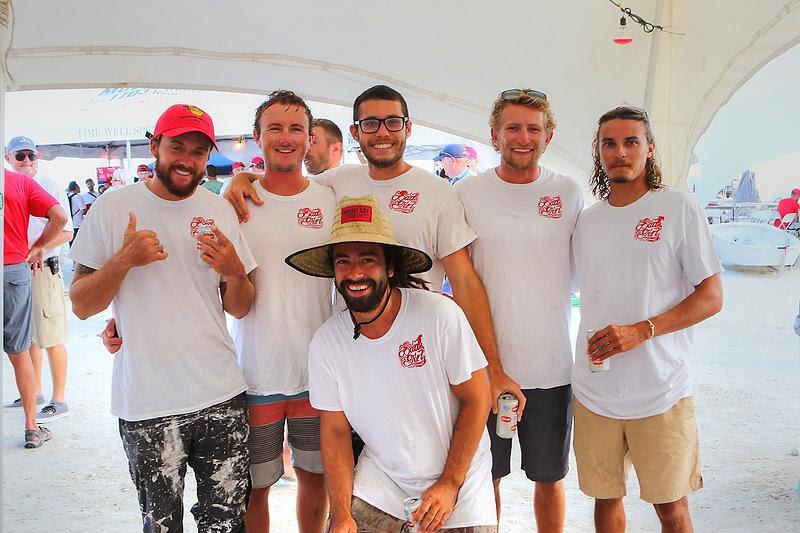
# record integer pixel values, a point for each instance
(648, 272)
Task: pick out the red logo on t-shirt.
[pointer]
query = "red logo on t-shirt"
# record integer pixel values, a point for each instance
(550, 206)
(412, 354)
(197, 222)
(309, 218)
(404, 201)
(649, 229)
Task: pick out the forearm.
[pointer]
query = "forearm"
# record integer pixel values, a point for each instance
(470, 295)
(62, 238)
(467, 434)
(92, 291)
(238, 295)
(337, 462)
(703, 303)
(50, 234)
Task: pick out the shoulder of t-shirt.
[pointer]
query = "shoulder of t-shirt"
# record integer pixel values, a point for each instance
(316, 187)
(327, 331)
(434, 303)
(332, 176)
(676, 197)
(430, 180)
(471, 182)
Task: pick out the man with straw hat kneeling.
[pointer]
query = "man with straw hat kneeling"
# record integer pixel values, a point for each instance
(403, 368)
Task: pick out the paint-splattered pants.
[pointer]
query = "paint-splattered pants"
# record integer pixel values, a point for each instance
(213, 441)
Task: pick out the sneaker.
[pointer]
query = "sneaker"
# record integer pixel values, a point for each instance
(18, 402)
(34, 438)
(52, 411)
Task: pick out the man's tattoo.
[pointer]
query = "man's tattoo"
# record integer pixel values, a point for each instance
(83, 269)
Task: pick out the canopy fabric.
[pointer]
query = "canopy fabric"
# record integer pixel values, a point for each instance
(449, 59)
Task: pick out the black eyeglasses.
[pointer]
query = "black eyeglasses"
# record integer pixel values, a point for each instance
(510, 94)
(20, 156)
(371, 125)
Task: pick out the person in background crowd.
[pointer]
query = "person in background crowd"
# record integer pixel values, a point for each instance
(237, 167)
(212, 183)
(49, 310)
(257, 165)
(23, 198)
(325, 151)
(143, 173)
(787, 206)
(454, 162)
(77, 207)
(472, 159)
(90, 195)
(647, 271)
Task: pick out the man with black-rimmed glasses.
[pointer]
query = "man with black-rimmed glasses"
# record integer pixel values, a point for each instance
(524, 214)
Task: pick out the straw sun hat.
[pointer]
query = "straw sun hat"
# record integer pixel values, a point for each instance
(357, 220)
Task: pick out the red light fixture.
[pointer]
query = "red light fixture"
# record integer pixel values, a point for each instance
(623, 37)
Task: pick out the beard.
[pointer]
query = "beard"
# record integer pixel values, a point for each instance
(386, 161)
(315, 164)
(165, 176)
(514, 160)
(367, 303)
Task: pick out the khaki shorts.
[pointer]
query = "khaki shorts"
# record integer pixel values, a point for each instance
(664, 450)
(49, 309)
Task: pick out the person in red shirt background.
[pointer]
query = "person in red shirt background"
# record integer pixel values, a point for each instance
(25, 198)
(786, 206)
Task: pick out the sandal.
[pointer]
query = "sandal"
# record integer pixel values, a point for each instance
(34, 438)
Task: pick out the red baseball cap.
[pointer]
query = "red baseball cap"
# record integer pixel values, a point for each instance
(795, 191)
(183, 118)
(257, 161)
(142, 168)
(237, 164)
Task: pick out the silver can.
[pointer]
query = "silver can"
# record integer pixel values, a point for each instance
(203, 229)
(595, 366)
(507, 409)
(409, 506)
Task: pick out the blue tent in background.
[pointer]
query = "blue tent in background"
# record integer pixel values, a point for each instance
(222, 163)
(747, 191)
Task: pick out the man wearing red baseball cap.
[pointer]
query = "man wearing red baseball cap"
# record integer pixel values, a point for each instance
(237, 167)
(176, 387)
(787, 206)
(143, 173)
(257, 164)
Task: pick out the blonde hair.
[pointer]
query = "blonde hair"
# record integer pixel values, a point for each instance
(538, 104)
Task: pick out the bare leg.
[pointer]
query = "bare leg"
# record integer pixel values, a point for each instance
(609, 516)
(24, 375)
(497, 502)
(312, 501)
(257, 517)
(36, 359)
(57, 355)
(549, 506)
(675, 516)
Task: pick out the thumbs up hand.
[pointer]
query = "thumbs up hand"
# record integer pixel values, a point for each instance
(141, 247)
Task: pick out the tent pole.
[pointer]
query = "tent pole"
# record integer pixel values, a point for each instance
(128, 154)
(647, 101)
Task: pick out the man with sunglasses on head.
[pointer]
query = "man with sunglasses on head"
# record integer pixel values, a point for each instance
(524, 214)
(49, 311)
(423, 210)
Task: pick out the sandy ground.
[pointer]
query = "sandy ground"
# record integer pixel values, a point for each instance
(747, 376)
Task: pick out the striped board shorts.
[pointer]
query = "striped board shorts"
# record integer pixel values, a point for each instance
(268, 415)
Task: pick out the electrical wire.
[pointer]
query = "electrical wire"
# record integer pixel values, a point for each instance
(647, 27)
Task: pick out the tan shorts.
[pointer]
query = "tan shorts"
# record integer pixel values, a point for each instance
(664, 450)
(49, 309)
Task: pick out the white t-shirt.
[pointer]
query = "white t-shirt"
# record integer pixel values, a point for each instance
(90, 197)
(423, 209)
(396, 393)
(177, 356)
(37, 224)
(522, 254)
(76, 204)
(633, 263)
(272, 339)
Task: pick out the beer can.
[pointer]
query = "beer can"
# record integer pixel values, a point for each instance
(203, 229)
(409, 506)
(594, 366)
(507, 408)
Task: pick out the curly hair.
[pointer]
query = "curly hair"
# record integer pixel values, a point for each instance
(599, 182)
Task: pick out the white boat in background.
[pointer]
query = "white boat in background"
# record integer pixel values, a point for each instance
(749, 244)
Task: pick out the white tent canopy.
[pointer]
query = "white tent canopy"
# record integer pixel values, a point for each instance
(449, 59)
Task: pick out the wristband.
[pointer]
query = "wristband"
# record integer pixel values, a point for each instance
(652, 328)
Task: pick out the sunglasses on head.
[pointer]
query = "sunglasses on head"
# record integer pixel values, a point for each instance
(510, 94)
(20, 156)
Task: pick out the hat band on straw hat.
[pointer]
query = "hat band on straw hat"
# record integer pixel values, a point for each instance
(357, 220)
